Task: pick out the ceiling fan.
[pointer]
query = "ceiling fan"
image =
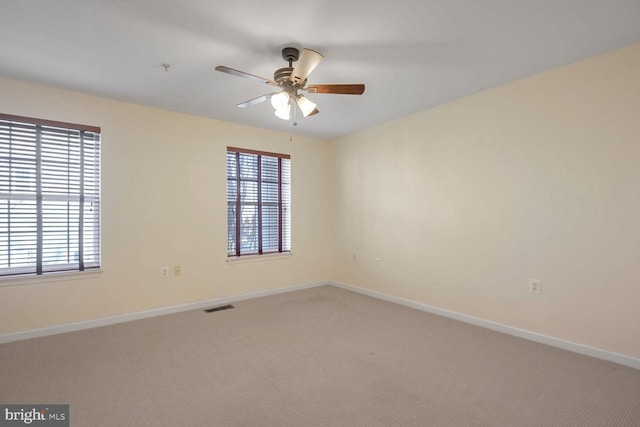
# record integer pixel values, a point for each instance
(292, 80)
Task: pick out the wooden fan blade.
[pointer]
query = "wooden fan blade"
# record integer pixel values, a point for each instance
(308, 61)
(255, 101)
(355, 89)
(242, 74)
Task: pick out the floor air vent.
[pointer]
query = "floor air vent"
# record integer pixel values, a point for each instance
(222, 307)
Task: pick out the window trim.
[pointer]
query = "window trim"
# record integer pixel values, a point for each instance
(281, 236)
(258, 152)
(52, 123)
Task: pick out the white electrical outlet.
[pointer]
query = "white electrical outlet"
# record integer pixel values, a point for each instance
(378, 262)
(535, 286)
(164, 272)
(177, 270)
(354, 258)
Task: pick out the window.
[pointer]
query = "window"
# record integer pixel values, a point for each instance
(258, 202)
(49, 196)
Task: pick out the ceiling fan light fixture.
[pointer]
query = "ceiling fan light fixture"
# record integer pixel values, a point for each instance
(280, 100)
(305, 105)
(284, 112)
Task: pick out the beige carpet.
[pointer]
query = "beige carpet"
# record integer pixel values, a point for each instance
(321, 356)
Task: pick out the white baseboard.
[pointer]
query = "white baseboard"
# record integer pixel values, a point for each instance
(94, 323)
(499, 327)
(488, 324)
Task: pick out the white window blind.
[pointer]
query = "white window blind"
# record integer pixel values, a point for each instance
(258, 202)
(49, 196)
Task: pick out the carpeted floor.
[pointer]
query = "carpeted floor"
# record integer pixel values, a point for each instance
(317, 357)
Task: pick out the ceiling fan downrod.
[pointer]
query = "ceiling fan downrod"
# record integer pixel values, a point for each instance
(291, 55)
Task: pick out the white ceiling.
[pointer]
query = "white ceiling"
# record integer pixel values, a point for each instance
(411, 54)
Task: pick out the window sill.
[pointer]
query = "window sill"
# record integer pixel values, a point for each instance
(256, 258)
(33, 279)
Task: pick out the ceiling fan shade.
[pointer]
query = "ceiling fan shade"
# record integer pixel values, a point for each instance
(280, 100)
(284, 113)
(308, 61)
(306, 106)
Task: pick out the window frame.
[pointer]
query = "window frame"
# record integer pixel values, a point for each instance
(83, 229)
(234, 249)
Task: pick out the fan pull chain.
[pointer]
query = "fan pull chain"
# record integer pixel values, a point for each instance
(293, 121)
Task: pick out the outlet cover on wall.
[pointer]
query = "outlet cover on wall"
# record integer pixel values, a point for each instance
(535, 286)
(164, 272)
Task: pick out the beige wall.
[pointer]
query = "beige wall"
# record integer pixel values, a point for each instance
(164, 203)
(465, 202)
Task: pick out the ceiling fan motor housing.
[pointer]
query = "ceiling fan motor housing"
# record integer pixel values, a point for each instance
(282, 75)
